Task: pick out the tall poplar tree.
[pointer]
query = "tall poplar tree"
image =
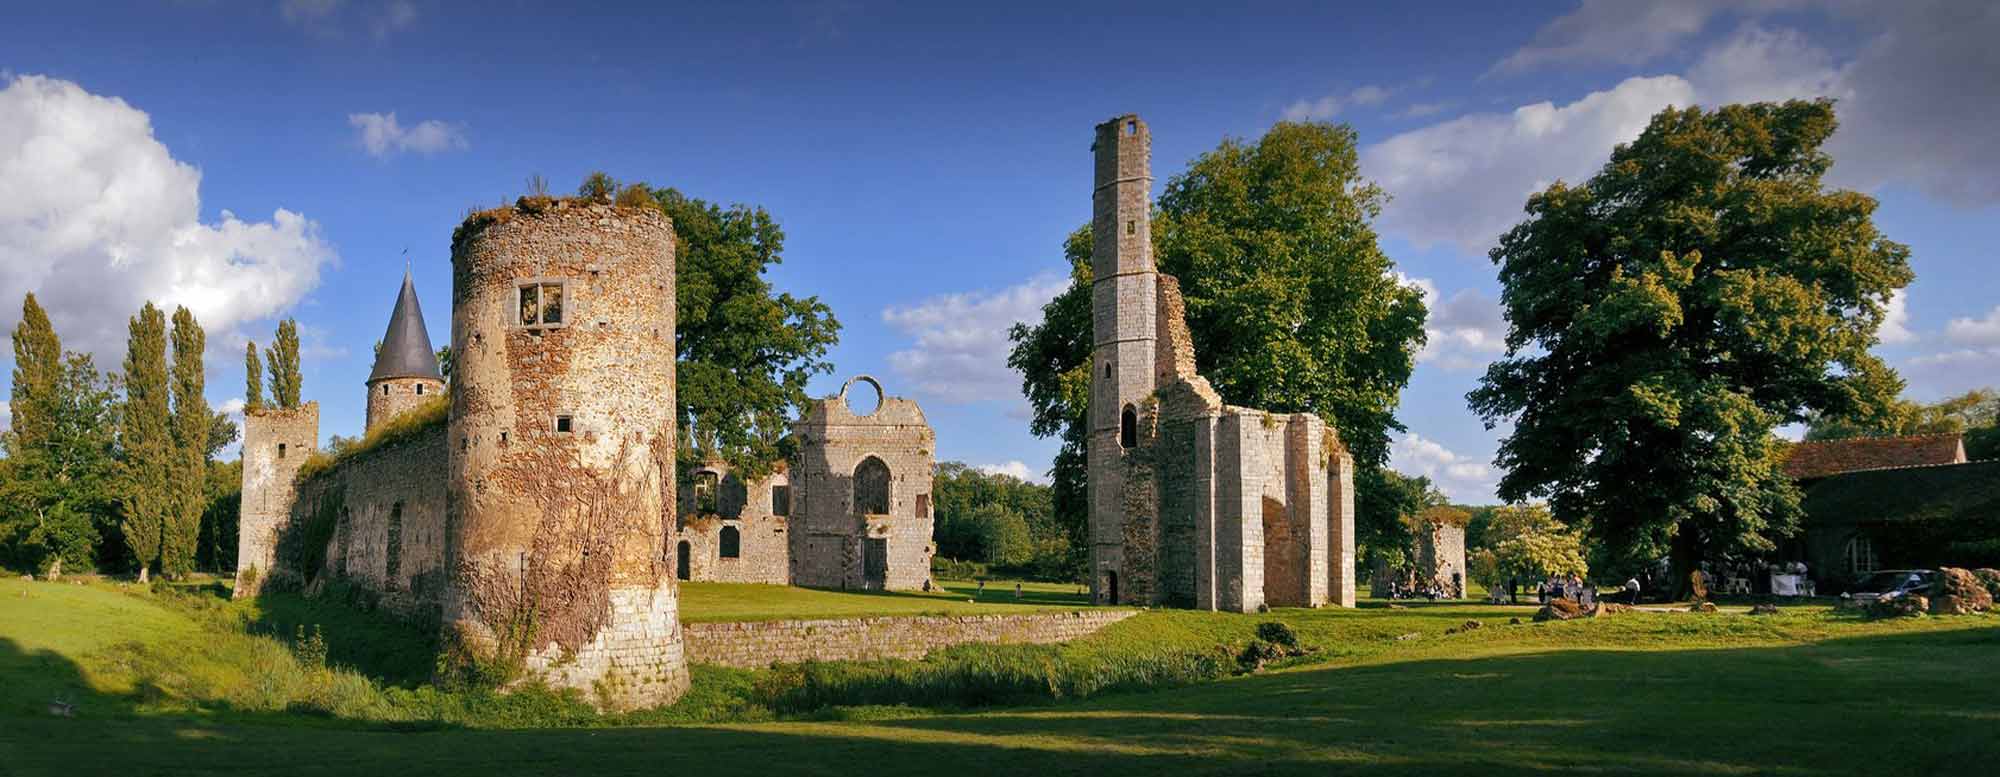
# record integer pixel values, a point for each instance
(283, 359)
(253, 378)
(37, 367)
(147, 439)
(192, 422)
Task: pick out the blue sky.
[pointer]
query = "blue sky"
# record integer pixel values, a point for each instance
(258, 160)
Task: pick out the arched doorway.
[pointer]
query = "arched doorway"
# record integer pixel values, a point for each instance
(681, 557)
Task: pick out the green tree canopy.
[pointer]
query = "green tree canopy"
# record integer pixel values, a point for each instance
(283, 360)
(1292, 305)
(54, 489)
(146, 495)
(253, 378)
(745, 350)
(193, 426)
(1699, 290)
(1526, 542)
(1975, 409)
(37, 368)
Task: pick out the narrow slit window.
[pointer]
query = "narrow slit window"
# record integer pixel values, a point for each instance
(420, 389)
(781, 500)
(1132, 227)
(281, 446)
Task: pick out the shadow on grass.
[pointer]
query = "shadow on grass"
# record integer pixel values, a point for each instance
(1895, 704)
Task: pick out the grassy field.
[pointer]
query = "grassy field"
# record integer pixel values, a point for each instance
(702, 602)
(1386, 691)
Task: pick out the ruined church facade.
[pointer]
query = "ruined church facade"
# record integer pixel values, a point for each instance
(1193, 502)
(851, 509)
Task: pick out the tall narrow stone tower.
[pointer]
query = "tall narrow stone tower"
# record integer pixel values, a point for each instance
(560, 493)
(406, 369)
(1124, 307)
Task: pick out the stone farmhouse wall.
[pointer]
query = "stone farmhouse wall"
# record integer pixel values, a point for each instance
(1193, 503)
(752, 645)
(388, 511)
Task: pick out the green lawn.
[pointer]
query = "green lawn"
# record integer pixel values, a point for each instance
(702, 602)
(1387, 692)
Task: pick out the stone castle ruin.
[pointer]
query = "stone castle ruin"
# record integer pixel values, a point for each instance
(1193, 503)
(850, 510)
(533, 510)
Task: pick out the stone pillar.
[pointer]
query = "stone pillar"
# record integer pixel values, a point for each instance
(1340, 528)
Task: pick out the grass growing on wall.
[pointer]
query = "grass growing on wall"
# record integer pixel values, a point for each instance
(408, 425)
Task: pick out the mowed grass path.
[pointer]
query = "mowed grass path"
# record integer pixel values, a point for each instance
(1806, 692)
(703, 602)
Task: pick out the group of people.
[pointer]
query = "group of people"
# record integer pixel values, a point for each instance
(1414, 587)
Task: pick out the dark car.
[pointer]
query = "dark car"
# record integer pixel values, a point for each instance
(1891, 583)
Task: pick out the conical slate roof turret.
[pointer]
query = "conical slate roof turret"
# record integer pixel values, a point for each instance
(406, 347)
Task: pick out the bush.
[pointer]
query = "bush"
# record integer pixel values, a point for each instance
(1277, 634)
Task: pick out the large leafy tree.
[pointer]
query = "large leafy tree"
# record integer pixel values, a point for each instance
(193, 426)
(745, 351)
(147, 495)
(282, 359)
(1698, 291)
(1292, 305)
(1525, 544)
(54, 494)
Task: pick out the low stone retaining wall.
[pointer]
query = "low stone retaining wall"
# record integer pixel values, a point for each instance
(758, 644)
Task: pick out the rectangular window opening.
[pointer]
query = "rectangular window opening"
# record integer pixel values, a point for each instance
(281, 447)
(542, 304)
(781, 500)
(562, 424)
(1131, 227)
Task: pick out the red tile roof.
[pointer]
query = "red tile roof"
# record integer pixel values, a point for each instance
(1809, 460)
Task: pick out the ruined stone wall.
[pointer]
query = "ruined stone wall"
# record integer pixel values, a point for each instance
(1341, 586)
(763, 537)
(561, 484)
(754, 645)
(1440, 552)
(833, 544)
(391, 397)
(388, 537)
(276, 442)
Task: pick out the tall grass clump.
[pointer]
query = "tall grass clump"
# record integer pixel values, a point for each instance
(984, 676)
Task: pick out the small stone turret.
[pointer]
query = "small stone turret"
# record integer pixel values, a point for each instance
(406, 369)
(561, 472)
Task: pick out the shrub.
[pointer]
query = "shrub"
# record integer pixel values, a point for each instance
(1277, 634)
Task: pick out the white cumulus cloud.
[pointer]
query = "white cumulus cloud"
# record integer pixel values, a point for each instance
(1323, 108)
(1462, 478)
(960, 353)
(6, 416)
(1975, 331)
(99, 218)
(1017, 469)
(1918, 100)
(1463, 331)
(1895, 328)
(382, 135)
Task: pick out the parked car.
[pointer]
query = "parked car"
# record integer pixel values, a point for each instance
(1891, 583)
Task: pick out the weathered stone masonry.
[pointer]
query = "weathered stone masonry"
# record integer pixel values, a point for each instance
(753, 645)
(533, 524)
(1193, 503)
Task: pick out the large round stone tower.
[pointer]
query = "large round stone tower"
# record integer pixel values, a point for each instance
(406, 369)
(561, 487)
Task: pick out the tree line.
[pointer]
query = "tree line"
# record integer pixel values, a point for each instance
(116, 471)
